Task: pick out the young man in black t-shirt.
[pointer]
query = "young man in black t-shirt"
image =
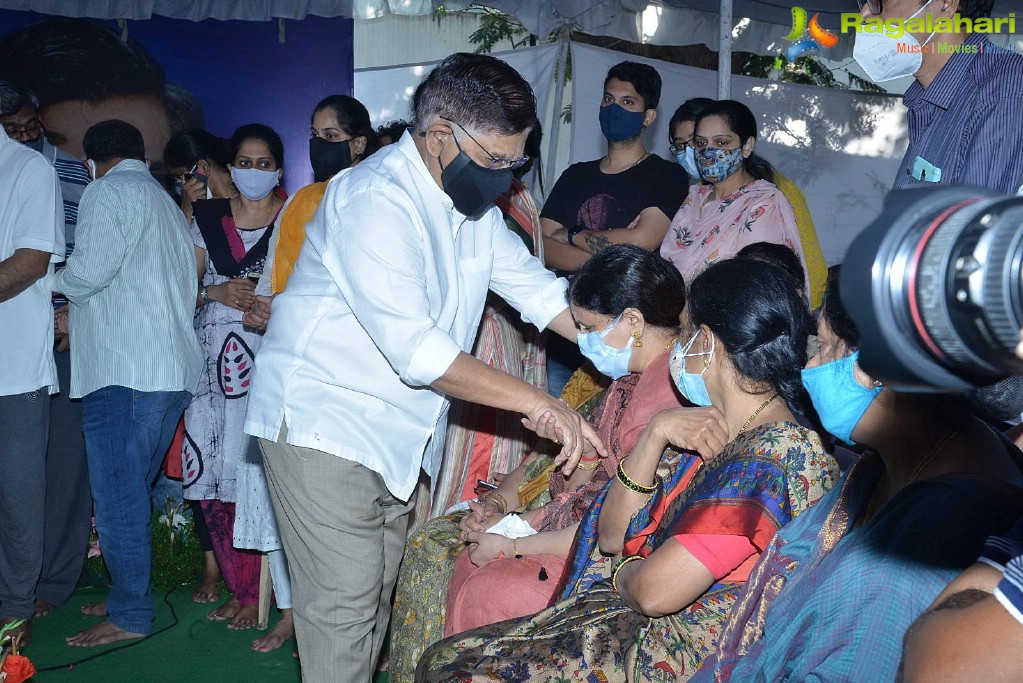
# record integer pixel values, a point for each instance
(628, 196)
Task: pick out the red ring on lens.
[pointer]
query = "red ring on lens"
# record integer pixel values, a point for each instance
(914, 306)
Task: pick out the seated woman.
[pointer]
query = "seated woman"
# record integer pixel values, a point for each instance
(627, 300)
(737, 205)
(681, 130)
(833, 595)
(683, 536)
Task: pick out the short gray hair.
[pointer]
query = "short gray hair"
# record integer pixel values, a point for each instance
(13, 97)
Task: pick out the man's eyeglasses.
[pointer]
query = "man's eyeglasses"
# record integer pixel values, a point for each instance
(29, 131)
(679, 147)
(875, 6)
(496, 163)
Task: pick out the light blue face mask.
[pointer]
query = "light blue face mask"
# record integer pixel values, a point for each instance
(839, 399)
(607, 359)
(687, 160)
(690, 384)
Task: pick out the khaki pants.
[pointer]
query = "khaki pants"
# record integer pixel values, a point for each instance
(343, 534)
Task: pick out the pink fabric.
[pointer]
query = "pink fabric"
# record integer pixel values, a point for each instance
(505, 588)
(704, 230)
(629, 405)
(721, 554)
(240, 568)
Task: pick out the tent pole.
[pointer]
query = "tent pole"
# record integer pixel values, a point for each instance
(564, 34)
(725, 51)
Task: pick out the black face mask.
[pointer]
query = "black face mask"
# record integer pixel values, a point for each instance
(473, 188)
(328, 158)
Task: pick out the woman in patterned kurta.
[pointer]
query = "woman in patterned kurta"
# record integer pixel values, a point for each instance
(737, 205)
(682, 535)
(231, 238)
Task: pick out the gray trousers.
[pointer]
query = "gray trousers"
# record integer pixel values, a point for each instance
(24, 428)
(343, 534)
(68, 497)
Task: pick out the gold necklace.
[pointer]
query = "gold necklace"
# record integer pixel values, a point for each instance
(630, 166)
(756, 412)
(671, 343)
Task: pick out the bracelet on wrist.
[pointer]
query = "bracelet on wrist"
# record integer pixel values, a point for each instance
(204, 294)
(627, 481)
(495, 499)
(586, 465)
(515, 550)
(618, 567)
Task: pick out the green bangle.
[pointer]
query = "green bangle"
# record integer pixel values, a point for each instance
(618, 567)
(627, 481)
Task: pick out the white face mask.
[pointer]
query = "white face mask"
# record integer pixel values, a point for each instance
(882, 60)
(92, 168)
(253, 183)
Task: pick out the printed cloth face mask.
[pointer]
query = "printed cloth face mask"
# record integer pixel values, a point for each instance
(690, 384)
(716, 165)
(884, 58)
(607, 359)
(839, 399)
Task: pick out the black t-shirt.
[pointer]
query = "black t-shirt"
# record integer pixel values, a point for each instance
(586, 196)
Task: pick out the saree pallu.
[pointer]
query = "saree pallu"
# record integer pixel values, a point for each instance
(762, 479)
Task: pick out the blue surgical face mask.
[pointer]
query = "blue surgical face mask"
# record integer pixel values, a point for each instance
(687, 160)
(839, 399)
(607, 359)
(690, 384)
(717, 164)
(618, 123)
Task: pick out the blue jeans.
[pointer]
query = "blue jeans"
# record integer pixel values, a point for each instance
(127, 434)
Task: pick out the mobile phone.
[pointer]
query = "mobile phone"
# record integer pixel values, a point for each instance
(484, 484)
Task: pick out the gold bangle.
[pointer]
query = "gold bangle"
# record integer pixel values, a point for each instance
(586, 465)
(515, 550)
(618, 567)
(497, 499)
(627, 481)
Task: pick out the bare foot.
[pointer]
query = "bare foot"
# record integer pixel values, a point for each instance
(226, 611)
(245, 618)
(282, 632)
(207, 590)
(24, 630)
(101, 634)
(95, 609)
(44, 608)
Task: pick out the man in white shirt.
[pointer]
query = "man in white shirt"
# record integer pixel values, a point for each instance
(135, 359)
(373, 334)
(31, 240)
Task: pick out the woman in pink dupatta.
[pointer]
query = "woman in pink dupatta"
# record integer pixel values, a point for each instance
(628, 299)
(738, 204)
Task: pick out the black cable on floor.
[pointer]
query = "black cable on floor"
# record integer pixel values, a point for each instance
(174, 615)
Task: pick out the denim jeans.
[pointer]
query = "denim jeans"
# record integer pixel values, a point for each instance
(127, 434)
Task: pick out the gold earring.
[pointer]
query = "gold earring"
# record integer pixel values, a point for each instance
(637, 339)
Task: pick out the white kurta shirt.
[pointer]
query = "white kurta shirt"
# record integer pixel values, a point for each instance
(31, 217)
(388, 289)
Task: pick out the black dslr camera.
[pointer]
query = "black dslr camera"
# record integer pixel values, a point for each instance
(935, 285)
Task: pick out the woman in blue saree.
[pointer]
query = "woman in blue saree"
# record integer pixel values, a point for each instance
(663, 552)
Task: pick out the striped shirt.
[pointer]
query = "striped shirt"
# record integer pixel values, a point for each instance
(1005, 553)
(967, 125)
(132, 283)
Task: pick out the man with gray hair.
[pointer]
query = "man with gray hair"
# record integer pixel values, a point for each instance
(31, 240)
(371, 338)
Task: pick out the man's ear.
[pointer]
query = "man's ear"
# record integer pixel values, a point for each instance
(436, 136)
(649, 116)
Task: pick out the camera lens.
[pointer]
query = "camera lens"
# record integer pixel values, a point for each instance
(934, 285)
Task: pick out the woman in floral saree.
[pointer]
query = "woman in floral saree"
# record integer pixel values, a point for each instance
(664, 550)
